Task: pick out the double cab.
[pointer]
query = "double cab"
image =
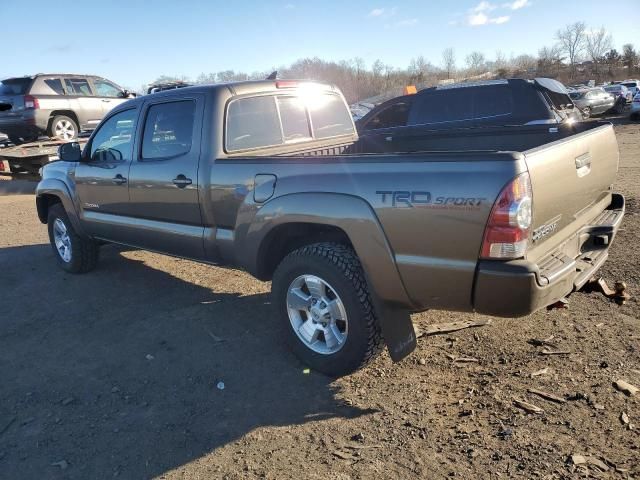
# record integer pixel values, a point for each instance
(271, 177)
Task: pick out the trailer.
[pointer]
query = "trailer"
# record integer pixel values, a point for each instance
(30, 157)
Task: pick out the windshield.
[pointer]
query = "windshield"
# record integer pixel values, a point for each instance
(614, 88)
(15, 86)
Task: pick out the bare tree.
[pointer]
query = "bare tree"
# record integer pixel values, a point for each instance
(629, 57)
(549, 60)
(449, 61)
(572, 42)
(475, 62)
(598, 43)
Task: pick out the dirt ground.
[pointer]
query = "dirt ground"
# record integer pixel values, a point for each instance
(116, 374)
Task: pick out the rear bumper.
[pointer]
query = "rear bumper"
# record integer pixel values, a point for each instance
(520, 287)
(29, 121)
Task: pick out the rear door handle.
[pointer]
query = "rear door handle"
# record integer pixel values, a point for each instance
(119, 179)
(105, 100)
(181, 181)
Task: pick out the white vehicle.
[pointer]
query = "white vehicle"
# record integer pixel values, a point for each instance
(632, 85)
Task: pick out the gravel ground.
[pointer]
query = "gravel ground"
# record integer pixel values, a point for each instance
(117, 374)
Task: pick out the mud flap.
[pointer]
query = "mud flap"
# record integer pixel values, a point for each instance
(397, 330)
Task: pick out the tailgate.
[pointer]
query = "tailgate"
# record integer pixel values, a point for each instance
(571, 181)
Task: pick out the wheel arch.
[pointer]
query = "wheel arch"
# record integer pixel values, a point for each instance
(67, 113)
(300, 219)
(51, 191)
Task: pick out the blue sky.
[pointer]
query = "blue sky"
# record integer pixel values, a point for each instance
(134, 42)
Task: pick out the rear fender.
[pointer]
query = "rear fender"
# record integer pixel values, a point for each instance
(357, 219)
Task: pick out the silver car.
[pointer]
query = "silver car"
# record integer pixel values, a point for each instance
(57, 105)
(592, 101)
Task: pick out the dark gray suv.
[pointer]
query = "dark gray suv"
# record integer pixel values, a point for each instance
(57, 105)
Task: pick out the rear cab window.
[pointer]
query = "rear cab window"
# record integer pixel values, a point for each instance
(281, 119)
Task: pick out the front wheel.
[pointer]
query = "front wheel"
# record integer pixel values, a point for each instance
(73, 253)
(586, 112)
(325, 310)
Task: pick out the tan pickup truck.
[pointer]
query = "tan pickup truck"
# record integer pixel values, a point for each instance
(270, 177)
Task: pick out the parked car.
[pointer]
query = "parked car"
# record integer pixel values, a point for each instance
(635, 107)
(593, 101)
(632, 85)
(622, 96)
(489, 103)
(56, 105)
(262, 176)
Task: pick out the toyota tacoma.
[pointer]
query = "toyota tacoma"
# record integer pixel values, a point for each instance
(270, 177)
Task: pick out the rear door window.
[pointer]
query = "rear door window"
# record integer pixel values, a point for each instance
(293, 114)
(78, 86)
(168, 130)
(329, 116)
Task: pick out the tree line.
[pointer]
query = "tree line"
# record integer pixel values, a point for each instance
(577, 54)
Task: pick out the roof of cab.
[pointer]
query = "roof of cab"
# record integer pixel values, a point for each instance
(251, 86)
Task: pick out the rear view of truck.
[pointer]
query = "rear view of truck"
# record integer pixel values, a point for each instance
(555, 222)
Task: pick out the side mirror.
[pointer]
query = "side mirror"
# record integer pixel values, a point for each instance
(70, 152)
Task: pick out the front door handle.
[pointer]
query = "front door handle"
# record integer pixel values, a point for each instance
(105, 100)
(119, 179)
(181, 181)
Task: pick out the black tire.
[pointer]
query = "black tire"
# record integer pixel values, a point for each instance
(339, 266)
(63, 128)
(84, 252)
(620, 106)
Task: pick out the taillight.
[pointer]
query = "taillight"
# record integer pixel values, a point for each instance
(506, 235)
(31, 102)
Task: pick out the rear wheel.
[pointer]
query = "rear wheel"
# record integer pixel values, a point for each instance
(73, 253)
(324, 309)
(63, 128)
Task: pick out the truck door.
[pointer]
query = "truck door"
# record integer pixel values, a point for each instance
(163, 179)
(102, 177)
